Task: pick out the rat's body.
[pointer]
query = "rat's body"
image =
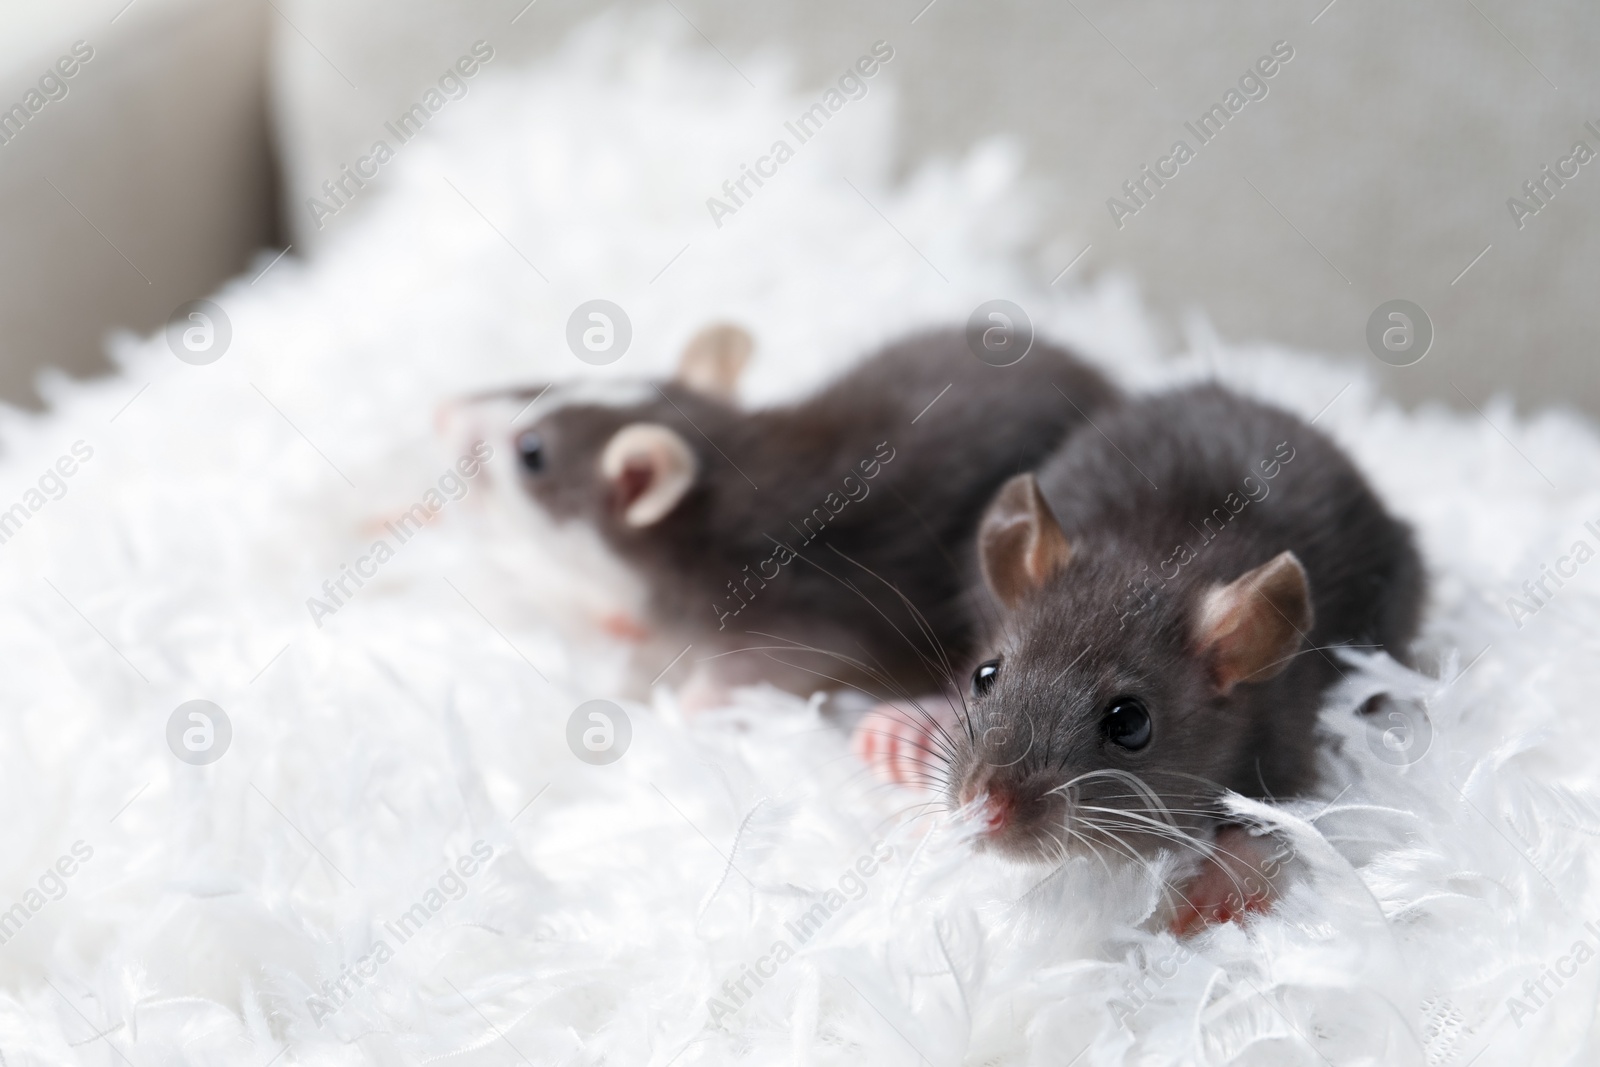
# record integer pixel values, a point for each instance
(1174, 592)
(741, 523)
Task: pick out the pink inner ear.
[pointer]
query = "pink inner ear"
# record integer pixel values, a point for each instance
(1239, 632)
(1225, 670)
(1250, 627)
(631, 484)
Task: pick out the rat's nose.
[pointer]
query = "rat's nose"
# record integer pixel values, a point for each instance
(990, 806)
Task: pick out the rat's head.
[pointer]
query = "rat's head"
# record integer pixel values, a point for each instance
(591, 470)
(1105, 716)
(621, 459)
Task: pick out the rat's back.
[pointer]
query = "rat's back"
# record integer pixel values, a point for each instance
(1203, 484)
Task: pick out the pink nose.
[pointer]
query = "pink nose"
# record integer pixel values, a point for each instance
(991, 807)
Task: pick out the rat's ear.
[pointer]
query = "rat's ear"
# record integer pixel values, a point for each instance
(1020, 543)
(714, 359)
(650, 467)
(1251, 627)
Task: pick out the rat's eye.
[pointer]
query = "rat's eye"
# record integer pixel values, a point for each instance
(1126, 723)
(983, 678)
(530, 448)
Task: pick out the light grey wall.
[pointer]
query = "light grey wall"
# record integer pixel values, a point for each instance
(148, 183)
(1377, 167)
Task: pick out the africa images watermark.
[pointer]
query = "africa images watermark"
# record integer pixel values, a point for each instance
(1141, 189)
(52, 86)
(852, 85)
(449, 886)
(52, 485)
(1253, 489)
(1152, 977)
(342, 190)
(1536, 991)
(852, 884)
(451, 486)
(1562, 569)
(1542, 189)
(822, 514)
(52, 886)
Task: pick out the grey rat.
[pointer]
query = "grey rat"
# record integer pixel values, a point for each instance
(1173, 593)
(811, 544)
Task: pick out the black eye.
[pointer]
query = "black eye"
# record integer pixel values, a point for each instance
(530, 447)
(983, 678)
(1126, 723)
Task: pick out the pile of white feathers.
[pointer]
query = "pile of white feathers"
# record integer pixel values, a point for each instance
(409, 751)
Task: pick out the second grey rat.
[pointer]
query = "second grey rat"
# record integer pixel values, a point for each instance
(835, 523)
(1175, 590)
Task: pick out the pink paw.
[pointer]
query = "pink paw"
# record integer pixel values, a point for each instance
(1236, 880)
(896, 744)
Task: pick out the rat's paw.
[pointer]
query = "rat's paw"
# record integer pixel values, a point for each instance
(1233, 882)
(896, 746)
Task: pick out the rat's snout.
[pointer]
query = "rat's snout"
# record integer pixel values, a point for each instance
(1015, 815)
(461, 423)
(485, 426)
(988, 804)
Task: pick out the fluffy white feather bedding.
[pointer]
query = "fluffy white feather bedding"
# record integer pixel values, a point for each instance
(429, 714)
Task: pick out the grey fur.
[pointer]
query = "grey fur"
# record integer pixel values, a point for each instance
(762, 473)
(1161, 474)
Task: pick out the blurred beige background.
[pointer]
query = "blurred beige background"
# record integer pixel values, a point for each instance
(1378, 165)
